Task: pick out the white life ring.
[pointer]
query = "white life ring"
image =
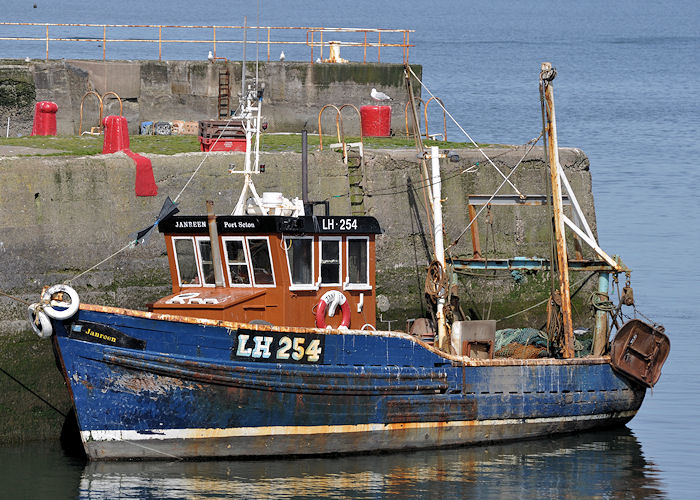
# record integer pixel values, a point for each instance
(41, 324)
(60, 310)
(331, 300)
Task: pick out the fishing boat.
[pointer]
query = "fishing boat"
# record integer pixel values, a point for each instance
(268, 344)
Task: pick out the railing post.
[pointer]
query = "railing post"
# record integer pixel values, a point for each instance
(47, 43)
(160, 40)
(214, 41)
(404, 48)
(104, 42)
(379, 48)
(268, 44)
(364, 56)
(312, 44)
(408, 38)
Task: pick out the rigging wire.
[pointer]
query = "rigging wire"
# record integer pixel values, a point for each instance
(464, 131)
(133, 243)
(532, 145)
(423, 183)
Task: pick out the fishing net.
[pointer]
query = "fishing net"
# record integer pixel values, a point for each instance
(522, 343)
(530, 343)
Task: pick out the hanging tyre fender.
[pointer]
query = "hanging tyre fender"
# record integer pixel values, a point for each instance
(41, 324)
(60, 310)
(330, 301)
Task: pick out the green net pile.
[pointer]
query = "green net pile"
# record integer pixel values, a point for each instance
(529, 343)
(522, 343)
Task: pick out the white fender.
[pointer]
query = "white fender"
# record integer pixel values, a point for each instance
(60, 310)
(41, 324)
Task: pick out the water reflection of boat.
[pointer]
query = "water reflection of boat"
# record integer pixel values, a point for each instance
(603, 464)
(235, 363)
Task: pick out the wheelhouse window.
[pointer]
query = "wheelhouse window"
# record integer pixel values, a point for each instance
(259, 250)
(358, 262)
(186, 261)
(330, 261)
(300, 259)
(206, 260)
(236, 262)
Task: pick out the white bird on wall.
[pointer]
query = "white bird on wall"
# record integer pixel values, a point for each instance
(210, 56)
(282, 56)
(379, 96)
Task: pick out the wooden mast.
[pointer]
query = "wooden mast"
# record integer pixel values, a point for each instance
(546, 76)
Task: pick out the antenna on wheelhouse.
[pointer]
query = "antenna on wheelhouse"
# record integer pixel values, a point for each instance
(250, 118)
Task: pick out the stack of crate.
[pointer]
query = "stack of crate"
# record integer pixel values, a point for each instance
(221, 135)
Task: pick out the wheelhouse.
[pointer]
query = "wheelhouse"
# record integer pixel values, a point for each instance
(275, 269)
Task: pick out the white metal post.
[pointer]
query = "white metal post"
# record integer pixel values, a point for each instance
(439, 243)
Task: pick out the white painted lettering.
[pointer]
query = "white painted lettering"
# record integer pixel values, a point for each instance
(242, 349)
(262, 347)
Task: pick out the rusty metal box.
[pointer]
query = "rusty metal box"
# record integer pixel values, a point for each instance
(639, 351)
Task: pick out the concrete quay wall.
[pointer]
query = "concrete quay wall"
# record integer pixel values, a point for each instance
(154, 91)
(59, 216)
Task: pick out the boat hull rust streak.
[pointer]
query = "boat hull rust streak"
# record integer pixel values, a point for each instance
(150, 386)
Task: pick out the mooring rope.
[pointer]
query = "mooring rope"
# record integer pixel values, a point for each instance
(32, 392)
(12, 297)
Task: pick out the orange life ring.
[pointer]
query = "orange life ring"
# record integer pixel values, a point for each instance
(330, 300)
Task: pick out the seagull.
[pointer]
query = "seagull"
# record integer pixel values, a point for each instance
(282, 56)
(379, 96)
(210, 56)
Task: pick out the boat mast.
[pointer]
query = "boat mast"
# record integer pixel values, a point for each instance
(250, 106)
(546, 76)
(439, 242)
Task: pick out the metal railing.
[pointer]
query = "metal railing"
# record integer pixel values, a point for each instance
(311, 37)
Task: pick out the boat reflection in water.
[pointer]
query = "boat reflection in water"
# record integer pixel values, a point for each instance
(603, 464)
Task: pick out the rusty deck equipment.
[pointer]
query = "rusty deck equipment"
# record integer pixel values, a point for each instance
(268, 346)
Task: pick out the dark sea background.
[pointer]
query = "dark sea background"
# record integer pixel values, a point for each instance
(627, 94)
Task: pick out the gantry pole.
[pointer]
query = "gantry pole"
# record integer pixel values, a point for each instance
(546, 76)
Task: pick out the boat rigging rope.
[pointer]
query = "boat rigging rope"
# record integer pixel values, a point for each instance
(128, 245)
(133, 243)
(203, 160)
(464, 131)
(532, 143)
(579, 284)
(422, 183)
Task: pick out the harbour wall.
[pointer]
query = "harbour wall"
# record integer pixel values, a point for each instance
(60, 216)
(155, 91)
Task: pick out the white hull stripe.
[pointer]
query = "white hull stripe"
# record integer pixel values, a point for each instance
(290, 430)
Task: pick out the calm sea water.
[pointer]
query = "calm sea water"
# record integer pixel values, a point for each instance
(628, 94)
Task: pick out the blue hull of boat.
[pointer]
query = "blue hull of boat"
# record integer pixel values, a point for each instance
(154, 387)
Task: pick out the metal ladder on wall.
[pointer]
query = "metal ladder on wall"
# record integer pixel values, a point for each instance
(224, 94)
